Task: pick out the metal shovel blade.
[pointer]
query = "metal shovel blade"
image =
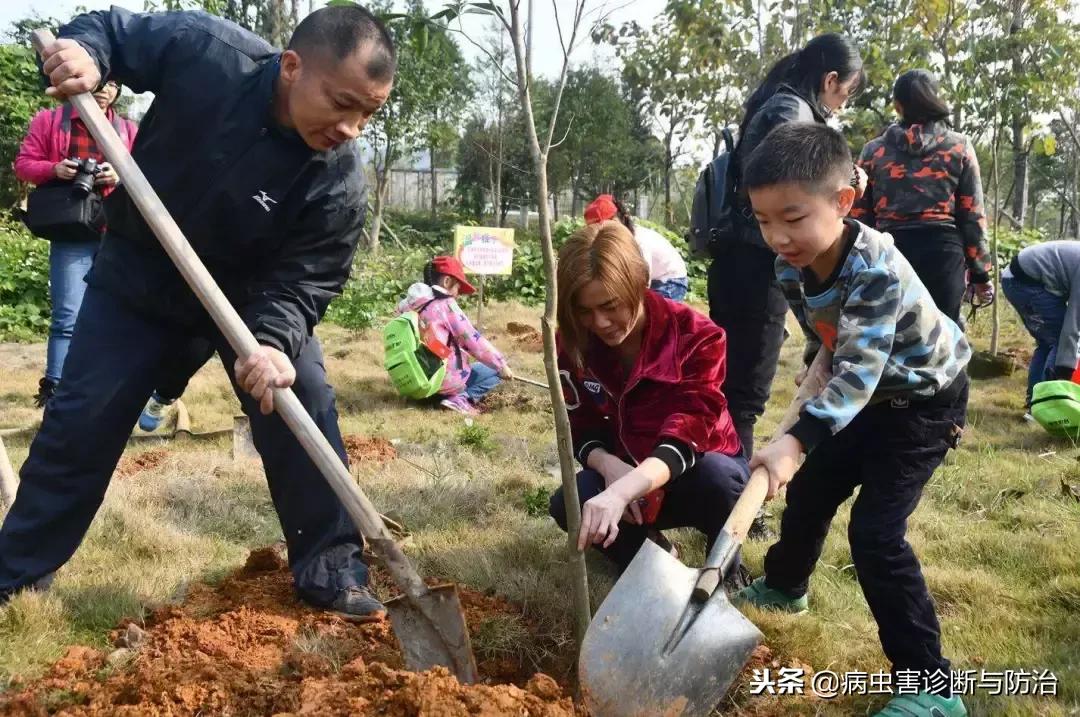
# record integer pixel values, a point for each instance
(651, 651)
(431, 631)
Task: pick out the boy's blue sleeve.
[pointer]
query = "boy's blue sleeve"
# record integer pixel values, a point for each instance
(864, 342)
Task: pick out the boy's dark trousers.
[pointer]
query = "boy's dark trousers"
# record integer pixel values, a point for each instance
(701, 498)
(890, 450)
(116, 359)
(746, 301)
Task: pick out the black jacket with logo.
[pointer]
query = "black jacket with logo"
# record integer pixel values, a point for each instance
(275, 222)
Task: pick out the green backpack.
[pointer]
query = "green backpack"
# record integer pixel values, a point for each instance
(1055, 405)
(415, 369)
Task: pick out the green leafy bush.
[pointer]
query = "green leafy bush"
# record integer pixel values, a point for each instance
(536, 501)
(1010, 242)
(377, 284)
(24, 284)
(476, 437)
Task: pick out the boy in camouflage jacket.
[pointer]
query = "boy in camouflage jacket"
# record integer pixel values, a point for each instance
(891, 409)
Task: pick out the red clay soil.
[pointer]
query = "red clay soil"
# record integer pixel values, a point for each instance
(130, 466)
(526, 336)
(364, 448)
(248, 647)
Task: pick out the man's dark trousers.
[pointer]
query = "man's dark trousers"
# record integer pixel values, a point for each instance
(116, 359)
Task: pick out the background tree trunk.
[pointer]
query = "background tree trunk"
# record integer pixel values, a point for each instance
(434, 183)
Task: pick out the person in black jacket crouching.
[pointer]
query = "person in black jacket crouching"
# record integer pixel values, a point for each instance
(251, 151)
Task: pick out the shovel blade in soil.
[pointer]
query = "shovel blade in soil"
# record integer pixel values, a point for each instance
(649, 651)
(432, 632)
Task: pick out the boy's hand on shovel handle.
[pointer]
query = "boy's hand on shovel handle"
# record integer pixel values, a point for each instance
(781, 459)
(263, 371)
(69, 68)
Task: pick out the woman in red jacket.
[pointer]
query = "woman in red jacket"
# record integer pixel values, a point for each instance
(56, 140)
(642, 376)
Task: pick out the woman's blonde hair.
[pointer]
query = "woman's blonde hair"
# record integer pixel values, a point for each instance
(604, 252)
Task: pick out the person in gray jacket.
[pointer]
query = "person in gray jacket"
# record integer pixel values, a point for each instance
(1043, 284)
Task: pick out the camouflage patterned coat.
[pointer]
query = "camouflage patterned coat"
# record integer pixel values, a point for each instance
(889, 340)
(926, 175)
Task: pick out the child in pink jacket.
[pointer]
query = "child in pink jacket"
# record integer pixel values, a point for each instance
(434, 300)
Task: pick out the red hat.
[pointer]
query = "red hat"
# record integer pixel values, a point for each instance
(602, 209)
(450, 266)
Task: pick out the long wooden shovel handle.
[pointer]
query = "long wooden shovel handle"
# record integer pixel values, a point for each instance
(226, 318)
(753, 495)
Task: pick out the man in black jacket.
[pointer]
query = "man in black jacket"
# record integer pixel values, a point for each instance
(250, 150)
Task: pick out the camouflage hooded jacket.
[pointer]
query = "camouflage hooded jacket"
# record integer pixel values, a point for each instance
(926, 175)
(888, 338)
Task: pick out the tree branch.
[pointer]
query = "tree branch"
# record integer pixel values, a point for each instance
(494, 60)
(579, 8)
(566, 134)
(1068, 126)
(558, 27)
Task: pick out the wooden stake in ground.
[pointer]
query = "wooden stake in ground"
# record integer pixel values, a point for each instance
(8, 482)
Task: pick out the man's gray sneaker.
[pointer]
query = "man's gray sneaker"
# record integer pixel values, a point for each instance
(358, 603)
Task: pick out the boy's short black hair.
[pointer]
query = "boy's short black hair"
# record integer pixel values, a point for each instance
(337, 31)
(806, 153)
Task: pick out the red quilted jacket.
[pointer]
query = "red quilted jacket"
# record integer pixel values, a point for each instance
(672, 391)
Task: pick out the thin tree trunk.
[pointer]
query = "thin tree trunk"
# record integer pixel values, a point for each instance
(434, 183)
(1020, 171)
(994, 317)
(382, 187)
(496, 200)
(1019, 148)
(1033, 211)
(1074, 216)
(491, 185)
(376, 220)
(669, 137)
(1061, 220)
(580, 581)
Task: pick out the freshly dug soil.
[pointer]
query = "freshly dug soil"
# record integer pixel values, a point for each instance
(365, 448)
(248, 647)
(527, 337)
(130, 466)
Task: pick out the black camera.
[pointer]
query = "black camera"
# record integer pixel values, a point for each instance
(85, 173)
